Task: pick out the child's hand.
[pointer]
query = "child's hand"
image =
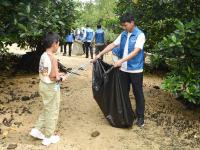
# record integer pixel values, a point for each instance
(64, 78)
(61, 74)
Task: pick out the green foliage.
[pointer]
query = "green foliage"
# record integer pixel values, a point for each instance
(157, 17)
(185, 82)
(100, 12)
(157, 63)
(25, 21)
(183, 44)
(8, 61)
(110, 36)
(182, 48)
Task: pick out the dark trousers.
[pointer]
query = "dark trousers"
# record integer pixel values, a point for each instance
(70, 48)
(61, 48)
(88, 48)
(98, 49)
(83, 46)
(136, 80)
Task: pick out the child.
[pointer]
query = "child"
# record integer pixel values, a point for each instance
(49, 90)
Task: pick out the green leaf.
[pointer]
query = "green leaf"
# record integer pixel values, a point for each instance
(174, 38)
(22, 35)
(61, 23)
(15, 21)
(22, 27)
(21, 14)
(180, 25)
(5, 3)
(28, 8)
(56, 16)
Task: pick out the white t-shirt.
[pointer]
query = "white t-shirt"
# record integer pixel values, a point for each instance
(139, 44)
(45, 68)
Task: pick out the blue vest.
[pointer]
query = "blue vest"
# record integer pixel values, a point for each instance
(137, 62)
(116, 51)
(69, 38)
(99, 36)
(89, 35)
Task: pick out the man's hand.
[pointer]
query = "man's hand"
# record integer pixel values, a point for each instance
(118, 63)
(95, 59)
(106, 50)
(64, 77)
(61, 73)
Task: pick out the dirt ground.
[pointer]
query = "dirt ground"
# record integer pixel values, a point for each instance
(169, 125)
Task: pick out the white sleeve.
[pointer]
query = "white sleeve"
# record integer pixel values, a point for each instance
(140, 41)
(93, 35)
(118, 40)
(84, 34)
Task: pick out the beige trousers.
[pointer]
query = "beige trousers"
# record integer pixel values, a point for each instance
(49, 116)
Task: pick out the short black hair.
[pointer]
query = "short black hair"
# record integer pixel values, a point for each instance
(127, 17)
(87, 26)
(98, 26)
(49, 39)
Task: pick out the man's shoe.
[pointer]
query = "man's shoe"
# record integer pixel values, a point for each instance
(140, 122)
(37, 134)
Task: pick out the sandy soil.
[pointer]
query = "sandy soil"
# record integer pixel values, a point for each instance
(168, 123)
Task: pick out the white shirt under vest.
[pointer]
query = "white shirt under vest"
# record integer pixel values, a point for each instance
(139, 44)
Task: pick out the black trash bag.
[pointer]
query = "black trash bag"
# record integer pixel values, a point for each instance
(107, 84)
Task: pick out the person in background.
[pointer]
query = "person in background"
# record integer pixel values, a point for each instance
(77, 34)
(82, 35)
(49, 90)
(99, 40)
(89, 36)
(61, 47)
(62, 42)
(69, 41)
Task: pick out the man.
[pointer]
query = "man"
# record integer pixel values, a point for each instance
(69, 41)
(82, 38)
(99, 40)
(131, 54)
(77, 34)
(88, 40)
